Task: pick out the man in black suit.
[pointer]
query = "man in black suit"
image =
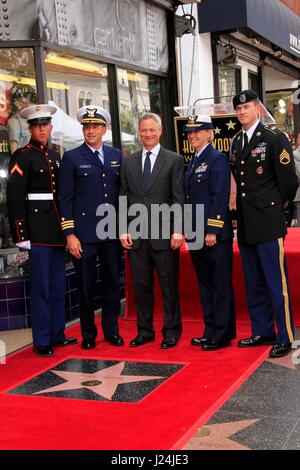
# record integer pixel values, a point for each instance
(151, 177)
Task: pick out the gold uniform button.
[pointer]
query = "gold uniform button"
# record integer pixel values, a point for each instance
(106, 204)
(242, 162)
(103, 175)
(106, 195)
(272, 203)
(22, 238)
(243, 194)
(20, 223)
(83, 213)
(46, 154)
(42, 171)
(22, 231)
(104, 185)
(36, 210)
(85, 174)
(258, 161)
(53, 175)
(62, 219)
(54, 190)
(242, 173)
(242, 184)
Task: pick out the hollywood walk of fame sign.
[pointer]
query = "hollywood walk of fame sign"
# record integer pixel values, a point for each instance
(106, 380)
(226, 126)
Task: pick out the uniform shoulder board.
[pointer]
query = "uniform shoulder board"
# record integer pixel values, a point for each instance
(271, 128)
(27, 147)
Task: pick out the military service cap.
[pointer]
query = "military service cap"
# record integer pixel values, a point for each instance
(244, 97)
(93, 115)
(198, 123)
(38, 113)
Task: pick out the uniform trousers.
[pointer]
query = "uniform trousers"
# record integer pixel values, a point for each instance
(108, 253)
(268, 297)
(213, 266)
(47, 294)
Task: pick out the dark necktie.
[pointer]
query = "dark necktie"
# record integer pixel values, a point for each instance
(97, 155)
(196, 156)
(147, 171)
(245, 140)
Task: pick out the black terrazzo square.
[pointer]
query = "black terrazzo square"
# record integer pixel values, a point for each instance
(106, 380)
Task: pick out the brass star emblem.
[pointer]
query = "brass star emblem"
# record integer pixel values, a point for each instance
(231, 125)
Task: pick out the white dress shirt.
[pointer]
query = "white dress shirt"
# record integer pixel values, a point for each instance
(154, 153)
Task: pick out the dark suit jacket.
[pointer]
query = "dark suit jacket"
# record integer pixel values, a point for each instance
(166, 187)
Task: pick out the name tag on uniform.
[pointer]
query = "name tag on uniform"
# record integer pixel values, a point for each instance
(85, 166)
(115, 163)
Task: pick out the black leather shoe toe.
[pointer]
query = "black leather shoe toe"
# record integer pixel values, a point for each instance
(66, 342)
(257, 341)
(280, 350)
(45, 351)
(211, 345)
(139, 341)
(88, 344)
(168, 343)
(115, 340)
(198, 341)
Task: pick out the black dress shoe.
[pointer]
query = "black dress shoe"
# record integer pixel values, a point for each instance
(280, 350)
(88, 344)
(66, 342)
(198, 341)
(257, 341)
(140, 340)
(45, 351)
(212, 345)
(168, 343)
(115, 340)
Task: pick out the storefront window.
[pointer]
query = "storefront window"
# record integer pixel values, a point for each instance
(73, 82)
(229, 82)
(17, 90)
(280, 104)
(138, 94)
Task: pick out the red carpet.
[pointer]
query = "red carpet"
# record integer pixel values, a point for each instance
(190, 302)
(164, 419)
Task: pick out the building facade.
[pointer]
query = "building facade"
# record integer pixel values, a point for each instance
(241, 44)
(118, 54)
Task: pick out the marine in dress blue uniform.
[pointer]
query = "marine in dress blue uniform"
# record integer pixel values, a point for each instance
(263, 166)
(35, 224)
(207, 182)
(89, 177)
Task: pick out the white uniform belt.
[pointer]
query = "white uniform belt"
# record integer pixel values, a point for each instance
(40, 197)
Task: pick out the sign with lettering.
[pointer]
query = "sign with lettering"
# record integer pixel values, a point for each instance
(226, 126)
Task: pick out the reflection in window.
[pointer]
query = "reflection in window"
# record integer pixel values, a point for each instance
(17, 90)
(138, 94)
(229, 82)
(73, 82)
(280, 105)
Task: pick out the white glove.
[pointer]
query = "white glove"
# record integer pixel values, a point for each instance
(24, 245)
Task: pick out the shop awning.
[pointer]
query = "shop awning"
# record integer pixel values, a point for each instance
(270, 19)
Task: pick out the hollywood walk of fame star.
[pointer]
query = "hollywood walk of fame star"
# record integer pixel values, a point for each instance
(231, 125)
(286, 361)
(217, 130)
(217, 436)
(104, 382)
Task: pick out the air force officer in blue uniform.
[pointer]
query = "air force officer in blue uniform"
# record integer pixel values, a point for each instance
(89, 177)
(207, 182)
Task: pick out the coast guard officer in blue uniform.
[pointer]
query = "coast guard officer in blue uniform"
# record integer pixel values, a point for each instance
(35, 224)
(89, 177)
(263, 166)
(207, 182)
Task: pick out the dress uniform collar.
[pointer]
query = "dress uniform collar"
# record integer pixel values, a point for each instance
(38, 145)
